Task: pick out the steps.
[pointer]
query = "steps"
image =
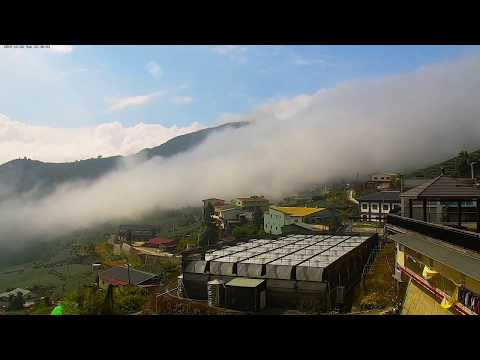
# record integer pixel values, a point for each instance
(377, 288)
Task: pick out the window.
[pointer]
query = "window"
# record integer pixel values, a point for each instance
(364, 217)
(374, 207)
(382, 178)
(364, 206)
(385, 206)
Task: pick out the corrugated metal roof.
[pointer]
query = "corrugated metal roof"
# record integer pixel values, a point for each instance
(445, 187)
(297, 211)
(161, 241)
(461, 260)
(120, 274)
(245, 282)
(280, 256)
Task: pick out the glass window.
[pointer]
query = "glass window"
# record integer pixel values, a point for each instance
(364, 206)
(385, 206)
(374, 207)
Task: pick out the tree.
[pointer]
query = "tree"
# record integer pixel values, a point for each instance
(209, 234)
(107, 308)
(244, 231)
(208, 212)
(463, 163)
(258, 218)
(16, 302)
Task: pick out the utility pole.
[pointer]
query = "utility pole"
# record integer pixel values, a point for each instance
(128, 267)
(473, 171)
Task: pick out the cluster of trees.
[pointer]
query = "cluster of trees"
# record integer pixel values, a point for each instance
(119, 300)
(250, 230)
(16, 302)
(463, 162)
(209, 233)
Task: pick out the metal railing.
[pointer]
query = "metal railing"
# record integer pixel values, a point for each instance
(465, 239)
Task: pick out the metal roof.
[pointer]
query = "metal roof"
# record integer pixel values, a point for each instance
(276, 259)
(244, 282)
(459, 259)
(445, 187)
(381, 196)
(296, 211)
(119, 274)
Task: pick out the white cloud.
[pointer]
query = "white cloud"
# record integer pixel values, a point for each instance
(60, 49)
(234, 52)
(181, 100)
(391, 123)
(126, 102)
(154, 69)
(301, 61)
(18, 139)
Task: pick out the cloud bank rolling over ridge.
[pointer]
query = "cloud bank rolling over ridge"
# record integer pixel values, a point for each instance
(360, 126)
(18, 139)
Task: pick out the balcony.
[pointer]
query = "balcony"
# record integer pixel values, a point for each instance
(461, 238)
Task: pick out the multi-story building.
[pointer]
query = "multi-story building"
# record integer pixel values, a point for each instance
(436, 264)
(251, 203)
(382, 181)
(279, 216)
(374, 207)
(227, 216)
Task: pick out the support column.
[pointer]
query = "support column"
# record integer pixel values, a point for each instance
(459, 204)
(478, 215)
(380, 205)
(369, 211)
(425, 210)
(410, 208)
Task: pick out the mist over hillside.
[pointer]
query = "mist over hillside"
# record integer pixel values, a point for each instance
(21, 176)
(360, 126)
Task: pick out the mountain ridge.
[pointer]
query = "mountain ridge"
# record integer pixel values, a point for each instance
(23, 175)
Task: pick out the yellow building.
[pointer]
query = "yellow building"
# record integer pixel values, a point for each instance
(280, 216)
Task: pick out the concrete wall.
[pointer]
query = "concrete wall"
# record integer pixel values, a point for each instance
(274, 220)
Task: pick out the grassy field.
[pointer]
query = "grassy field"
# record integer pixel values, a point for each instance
(54, 266)
(59, 278)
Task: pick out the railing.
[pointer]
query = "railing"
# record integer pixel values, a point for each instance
(465, 239)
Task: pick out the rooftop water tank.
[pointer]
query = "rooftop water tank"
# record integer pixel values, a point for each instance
(216, 293)
(180, 288)
(96, 267)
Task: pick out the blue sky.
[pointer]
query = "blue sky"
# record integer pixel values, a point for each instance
(82, 86)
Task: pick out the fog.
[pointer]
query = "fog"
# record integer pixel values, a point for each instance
(388, 123)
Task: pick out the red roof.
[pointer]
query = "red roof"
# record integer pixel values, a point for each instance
(161, 241)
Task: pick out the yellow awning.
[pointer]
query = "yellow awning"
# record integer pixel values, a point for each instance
(428, 273)
(297, 211)
(448, 303)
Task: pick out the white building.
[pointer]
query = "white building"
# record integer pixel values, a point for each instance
(373, 207)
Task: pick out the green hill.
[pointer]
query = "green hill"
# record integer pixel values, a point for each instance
(22, 175)
(453, 167)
